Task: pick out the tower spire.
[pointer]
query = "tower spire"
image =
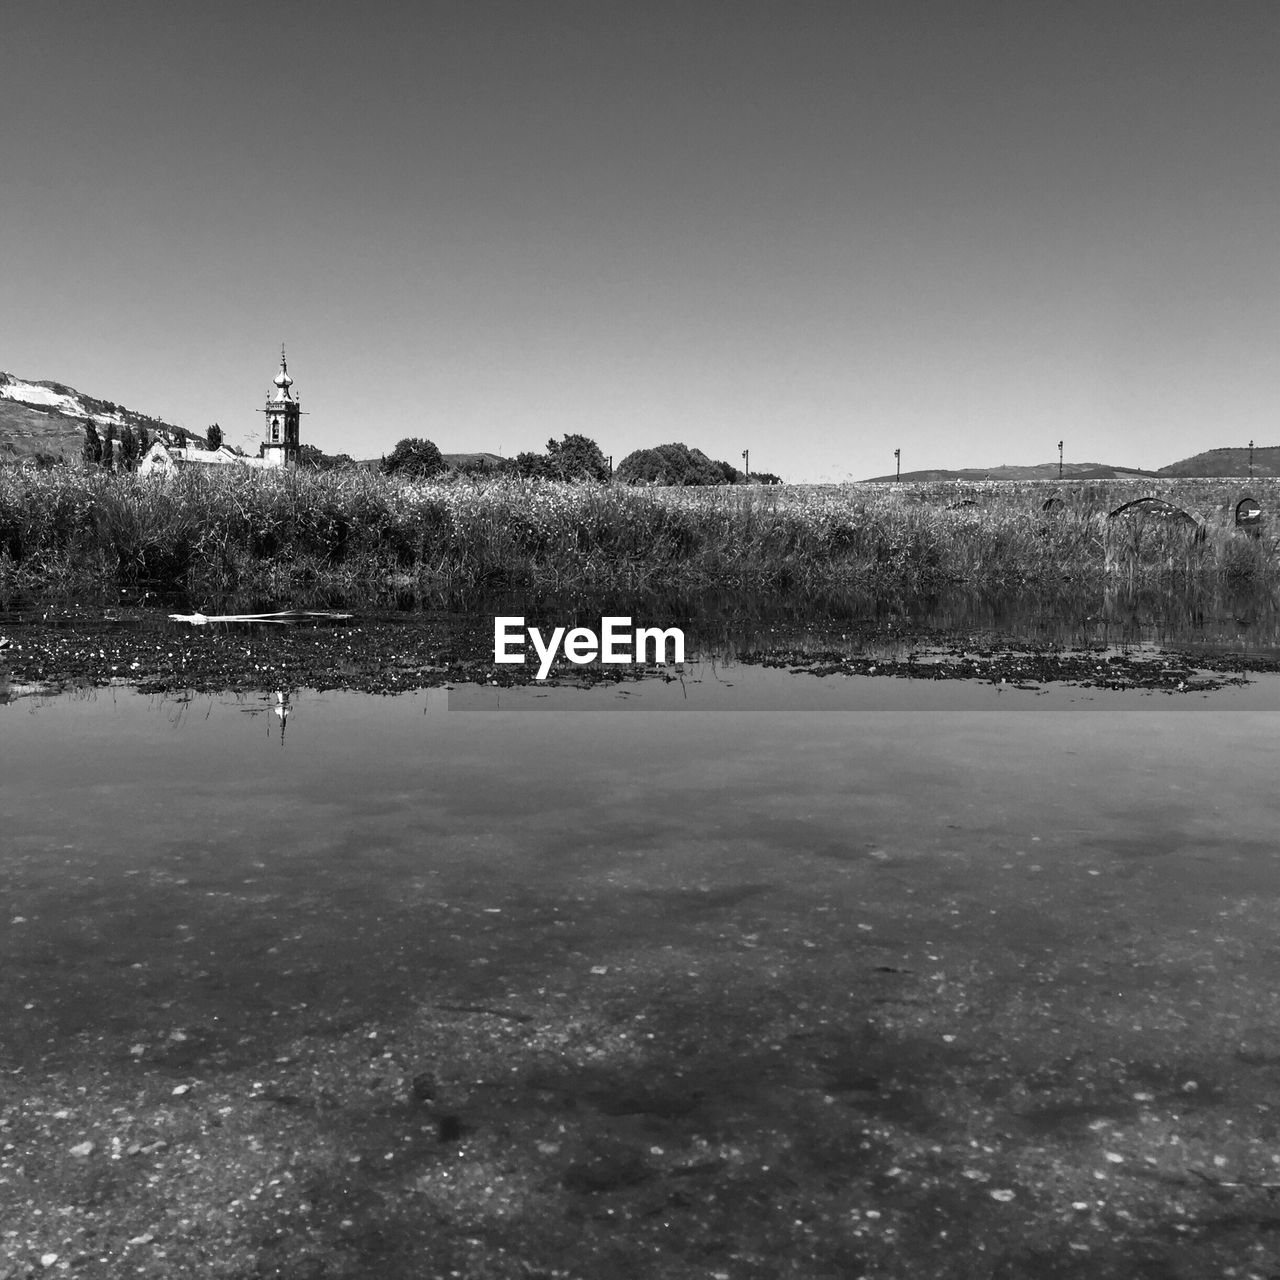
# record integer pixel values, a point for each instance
(282, 379)
(282, 419)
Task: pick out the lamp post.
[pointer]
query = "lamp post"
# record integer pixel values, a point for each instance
(1059, 459)
(1250, 459)
(746, 463)
(897, 462)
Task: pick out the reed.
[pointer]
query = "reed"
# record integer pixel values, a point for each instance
(230, 530)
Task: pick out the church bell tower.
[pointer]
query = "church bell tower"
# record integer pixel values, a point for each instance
(284, 413)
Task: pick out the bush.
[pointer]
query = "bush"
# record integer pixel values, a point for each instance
(414, 459)
(575, 457)
(675, 464)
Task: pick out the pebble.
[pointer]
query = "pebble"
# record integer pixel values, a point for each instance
(82, 1150)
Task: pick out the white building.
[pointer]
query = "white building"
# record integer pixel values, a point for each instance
(163, 457)
(284, 413)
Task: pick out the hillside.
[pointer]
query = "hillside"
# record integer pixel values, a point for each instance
(456, 460)
(1213, 462)
(1040, 471)
(45, 420)
(1227, 462)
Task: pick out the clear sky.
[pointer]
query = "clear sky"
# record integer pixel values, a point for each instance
(817, 231)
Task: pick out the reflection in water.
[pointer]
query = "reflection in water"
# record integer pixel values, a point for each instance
(386, 651)
(276, 708)
(1243, 619)
(623, 973)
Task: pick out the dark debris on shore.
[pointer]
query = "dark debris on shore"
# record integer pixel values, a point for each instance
(1019, 668)
(387, 654)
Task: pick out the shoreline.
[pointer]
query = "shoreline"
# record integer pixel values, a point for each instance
(389, 654)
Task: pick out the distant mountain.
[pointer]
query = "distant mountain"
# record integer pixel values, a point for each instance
(1227, 462)
(456, 460)
(45, 420)
(1041, 471)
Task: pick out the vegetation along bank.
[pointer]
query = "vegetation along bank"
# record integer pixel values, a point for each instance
(230, 529)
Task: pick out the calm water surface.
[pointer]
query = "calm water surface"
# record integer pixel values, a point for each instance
(385, 851)
(785, 976)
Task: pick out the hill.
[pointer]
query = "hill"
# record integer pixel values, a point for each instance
(45, 420)
(1040, 471)
(456, 460)
(1227, 462)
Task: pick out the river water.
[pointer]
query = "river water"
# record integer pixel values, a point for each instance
(965, 914)
(356, 827)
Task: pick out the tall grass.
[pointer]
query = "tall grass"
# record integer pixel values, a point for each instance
(230, 530)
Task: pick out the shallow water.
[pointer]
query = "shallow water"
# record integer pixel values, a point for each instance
(333, 853)
(952, 911)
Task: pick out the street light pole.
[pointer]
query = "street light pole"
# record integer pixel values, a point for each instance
(1250, 459)
(1059, 459)
(746, 463)
(897, 462)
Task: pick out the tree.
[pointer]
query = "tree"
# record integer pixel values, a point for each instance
(213, 434)
(415, 459)
(317, 459)
(533, 466)
(109, 447)
(92, 453)
(674, 464)
(144, 442)
(128, 449)
(576, 457)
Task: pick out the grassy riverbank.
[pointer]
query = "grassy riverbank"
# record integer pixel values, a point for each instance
(68, 529)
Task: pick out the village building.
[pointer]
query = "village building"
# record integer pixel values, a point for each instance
(279, 447)
(284, 414)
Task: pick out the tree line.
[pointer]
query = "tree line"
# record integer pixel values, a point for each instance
(123, 451)
(573, 457)
(115, 452)
(577, 457)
